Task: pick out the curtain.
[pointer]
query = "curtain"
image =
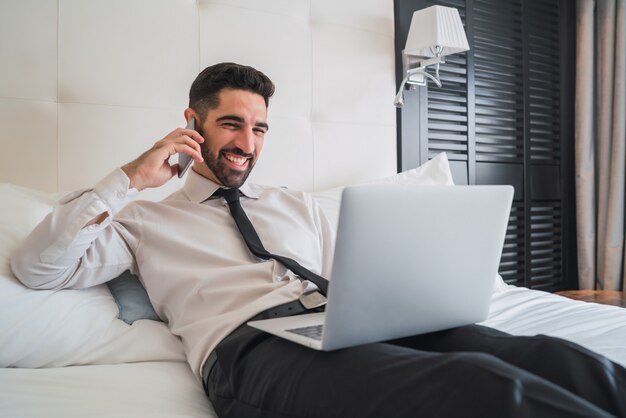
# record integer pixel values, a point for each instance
(600, 142)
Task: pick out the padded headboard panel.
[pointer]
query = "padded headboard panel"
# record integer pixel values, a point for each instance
(87, 85)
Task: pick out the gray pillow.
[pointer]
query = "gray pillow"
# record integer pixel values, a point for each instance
(131, 298)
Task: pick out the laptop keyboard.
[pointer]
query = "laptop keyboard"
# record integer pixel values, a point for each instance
(313, 331)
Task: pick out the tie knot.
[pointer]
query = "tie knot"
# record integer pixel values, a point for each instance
(231, 195)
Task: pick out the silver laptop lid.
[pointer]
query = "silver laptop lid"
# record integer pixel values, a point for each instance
(413, 259)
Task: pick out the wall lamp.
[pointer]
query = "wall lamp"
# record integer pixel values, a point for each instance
(435, 32)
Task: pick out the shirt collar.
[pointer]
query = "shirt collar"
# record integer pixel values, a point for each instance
(199, 188)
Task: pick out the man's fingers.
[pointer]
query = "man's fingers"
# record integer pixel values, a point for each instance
(191, 133)
(173, 142)
(193, 144)
(189, 149)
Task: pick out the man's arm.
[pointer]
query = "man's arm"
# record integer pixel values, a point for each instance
(78, 244)
(62, 253)
(152, 168)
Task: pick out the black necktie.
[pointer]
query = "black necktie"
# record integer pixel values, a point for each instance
(254, 242)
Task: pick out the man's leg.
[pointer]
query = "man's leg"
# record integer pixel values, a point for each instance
(569, 365)
(258, 375)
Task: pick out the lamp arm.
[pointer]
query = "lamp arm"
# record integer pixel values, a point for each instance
(434, 78)
(422, 68)
(399, 100)
(413, 71)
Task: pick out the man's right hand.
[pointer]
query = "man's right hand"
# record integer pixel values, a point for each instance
(152, 168)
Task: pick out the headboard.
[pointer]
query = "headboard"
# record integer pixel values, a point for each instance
(86, 86)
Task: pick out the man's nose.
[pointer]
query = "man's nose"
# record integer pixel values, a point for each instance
(246, 141)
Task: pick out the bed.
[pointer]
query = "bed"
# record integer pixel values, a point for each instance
(81, 95)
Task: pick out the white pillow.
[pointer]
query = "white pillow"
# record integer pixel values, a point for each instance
(435, 172)
(45, 328)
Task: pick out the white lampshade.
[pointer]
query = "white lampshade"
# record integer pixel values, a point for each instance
(436, 26)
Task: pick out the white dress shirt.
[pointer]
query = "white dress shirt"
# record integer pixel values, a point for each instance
(186, 250)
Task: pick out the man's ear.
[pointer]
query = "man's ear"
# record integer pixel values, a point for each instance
(190, 113)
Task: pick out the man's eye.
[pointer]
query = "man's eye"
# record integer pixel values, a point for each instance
(230, 125)
(259, 131)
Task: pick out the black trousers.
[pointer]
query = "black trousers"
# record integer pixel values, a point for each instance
(470, 371)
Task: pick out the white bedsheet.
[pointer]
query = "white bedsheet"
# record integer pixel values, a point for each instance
(521, 311)
(165, 389)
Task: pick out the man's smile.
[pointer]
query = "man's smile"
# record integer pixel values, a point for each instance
(236, 161)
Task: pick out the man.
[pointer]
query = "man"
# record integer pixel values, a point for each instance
(205, 283)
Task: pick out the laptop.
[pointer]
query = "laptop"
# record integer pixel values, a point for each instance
(408, 260)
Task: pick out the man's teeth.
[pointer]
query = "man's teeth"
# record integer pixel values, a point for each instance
(236, 160)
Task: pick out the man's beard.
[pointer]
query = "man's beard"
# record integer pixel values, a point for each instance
(227, 176)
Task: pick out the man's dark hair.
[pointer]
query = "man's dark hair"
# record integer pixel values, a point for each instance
(204, 92)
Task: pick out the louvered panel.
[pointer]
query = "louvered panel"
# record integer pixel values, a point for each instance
(498, 45)
(499, 153)
(543, 33)
(500, 42)
(546, 246)
(545, 8)
(545, 136)
(497, 52)
(498, 97)
(542, 64)
(491, 17)
(498, 103)
(546, 152)
(542, 49)
(507, 87)
(544, 84)
(499, 8)
(544, 131)
(494, 137)
(454, 71)
(453, 75)
(445, 108)
(485, 111)
(512, 265)
(540, 108)
(485, 51)
(494, 71)
(455, 146)
(447, 116)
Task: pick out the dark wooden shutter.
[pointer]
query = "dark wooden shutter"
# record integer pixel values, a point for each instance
(498, 116)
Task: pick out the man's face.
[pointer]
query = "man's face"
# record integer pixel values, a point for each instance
(233, 137)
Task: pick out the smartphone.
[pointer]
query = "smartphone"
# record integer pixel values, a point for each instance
(184, 160)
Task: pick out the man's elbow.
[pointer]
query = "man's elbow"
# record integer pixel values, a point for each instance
(29, 275)
(19, 273)
(22, 273)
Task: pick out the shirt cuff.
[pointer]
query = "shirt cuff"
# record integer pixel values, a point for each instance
(108, 196)
(114, 190)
